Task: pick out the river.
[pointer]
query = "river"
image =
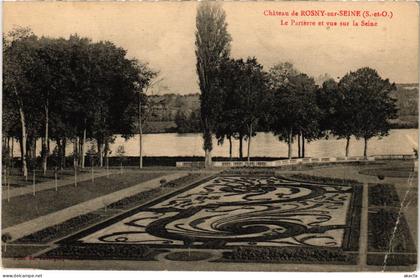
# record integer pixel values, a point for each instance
(399, 141)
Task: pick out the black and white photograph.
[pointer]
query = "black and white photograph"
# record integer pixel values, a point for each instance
(210, 136)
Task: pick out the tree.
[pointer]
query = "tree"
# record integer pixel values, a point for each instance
(50, 83)
(145, 105)
(368, 103)
(229, 122)
(212, 47)
(293, 109)
(187, 122)
(242, 87)
(281, 73)
(19, 60)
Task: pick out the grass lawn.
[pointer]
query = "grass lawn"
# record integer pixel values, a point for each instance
(17, 180)
(25, 207)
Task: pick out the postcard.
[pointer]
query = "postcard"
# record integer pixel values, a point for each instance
(210, 136)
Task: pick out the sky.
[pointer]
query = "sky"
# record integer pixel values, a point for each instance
(162, 35)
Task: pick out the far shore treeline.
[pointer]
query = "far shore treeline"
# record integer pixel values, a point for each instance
(71, 90)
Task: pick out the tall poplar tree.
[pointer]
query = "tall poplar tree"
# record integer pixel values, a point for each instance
(212, 47)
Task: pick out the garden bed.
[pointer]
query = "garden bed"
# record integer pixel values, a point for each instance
(383, 195)
(60, 230)
(381, 225)
(299, 255)
(165, 187)
(392, 259)
(102, 252)
(321, 180)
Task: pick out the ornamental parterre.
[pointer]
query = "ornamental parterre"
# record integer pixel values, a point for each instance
(225, 213)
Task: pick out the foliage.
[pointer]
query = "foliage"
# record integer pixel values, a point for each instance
(187, 122)
(293, 109)
(66, 88)
(366, 106)
(243, 89)
(212, 46)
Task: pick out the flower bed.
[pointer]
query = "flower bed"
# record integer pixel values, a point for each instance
(62, 229)
(392, 259)
(319, 179)
(139, 198)
(102, 252)
(289, 255)
(381, 227)
(383, 195)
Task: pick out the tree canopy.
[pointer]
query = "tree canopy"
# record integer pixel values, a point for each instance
(68, 89)
(212, 47)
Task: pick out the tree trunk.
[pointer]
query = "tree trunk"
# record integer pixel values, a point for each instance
(298, 139)
(365, 148)
(76, 152)
(31, 152)
(22, 156)
(140, 135)
(240, 146)
(249, 143)
(12, 155)
(8, 152)
(347, 146)
(59, 151)
(106, 150)
(303, 146)
(8, 147)
(24, 136)
(64, 153)
(34, 154)
(141, 148)
(23, 148)
(45, 142)
(207, 148)
(100, 152)
(230, 148)
(207, 159)
(289, 143)
(83, 149)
